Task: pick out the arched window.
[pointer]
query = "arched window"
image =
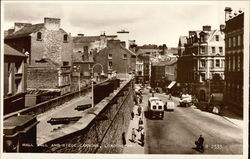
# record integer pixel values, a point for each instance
(65, 38)
(39, 36)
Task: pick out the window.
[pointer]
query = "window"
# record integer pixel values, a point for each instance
(65, 63)
(202, 38)
(217, 37)
(238, 61)
(233, 61)
(239, 40)
(217, 63)
(229, 63)
(10, 78)
(203, 64)
(109, 56)
(124, 56)
(229, 42)
(203, 77)
(213, 50)
(65, 38)
(234, 41)
(39, 36)
(220, 49)
(110, 65)
(202, 51)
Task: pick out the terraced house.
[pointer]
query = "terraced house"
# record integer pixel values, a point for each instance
(202, 61)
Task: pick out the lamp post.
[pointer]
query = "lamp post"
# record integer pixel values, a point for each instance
(92, 81)
(79, 78)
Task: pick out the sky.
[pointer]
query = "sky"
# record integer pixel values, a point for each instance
(148, 22)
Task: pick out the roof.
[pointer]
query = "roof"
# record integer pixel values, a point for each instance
(127, 50)
(165, 61)
(84, 39)
(26, 31)
(11, 51)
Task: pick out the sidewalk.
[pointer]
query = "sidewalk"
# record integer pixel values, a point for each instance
(134, 147)
(232, 117)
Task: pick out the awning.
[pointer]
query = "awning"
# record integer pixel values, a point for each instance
(171, 84)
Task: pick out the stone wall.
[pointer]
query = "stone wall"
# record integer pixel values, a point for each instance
(37, 78)
(104, 133)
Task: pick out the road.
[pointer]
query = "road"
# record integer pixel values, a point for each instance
(179, 129)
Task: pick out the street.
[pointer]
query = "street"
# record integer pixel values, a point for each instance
(179, 129)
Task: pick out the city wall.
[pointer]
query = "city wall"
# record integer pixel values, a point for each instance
(100, 131)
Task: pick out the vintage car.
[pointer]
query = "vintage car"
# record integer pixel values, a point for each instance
(155, 108)
(186, 100)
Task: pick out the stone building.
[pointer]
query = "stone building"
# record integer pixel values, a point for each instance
(202, 61)
(84, 47)
(234, 52)
(14, 80)
(116, 58)
(44, 44)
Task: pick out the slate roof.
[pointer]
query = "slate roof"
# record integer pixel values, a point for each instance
(25, 31)
(11, 51)
(85, 39)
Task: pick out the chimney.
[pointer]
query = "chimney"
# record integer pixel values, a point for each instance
(206, 28)
(123, 43)
(113, 43)
(192, 33)
(222, 27)
(228, 11)
(80, 35)
(52, 23)
(18, 26)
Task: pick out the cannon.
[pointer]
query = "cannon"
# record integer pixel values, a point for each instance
(63, 120)
(83, 107)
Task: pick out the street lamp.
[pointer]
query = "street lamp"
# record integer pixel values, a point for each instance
(79, 78)
(92, 81)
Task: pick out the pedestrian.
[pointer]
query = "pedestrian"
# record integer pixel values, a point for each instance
(139, 110)
(133, 135)
(123, 139)
(199, 143)
(132, 115)
(140, 99)
(170, 96)
(140, 124)
(142, 137)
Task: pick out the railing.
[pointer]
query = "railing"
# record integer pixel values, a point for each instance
(52, 103)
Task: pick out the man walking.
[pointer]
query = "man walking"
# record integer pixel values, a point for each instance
(139, 110)
(140, 124)
(133, 135)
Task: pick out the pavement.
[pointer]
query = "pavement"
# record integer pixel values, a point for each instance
(134, 147)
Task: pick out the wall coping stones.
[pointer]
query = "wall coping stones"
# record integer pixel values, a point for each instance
(87, 118)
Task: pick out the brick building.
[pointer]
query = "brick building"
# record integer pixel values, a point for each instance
(14, 80)
(202, 60)
(116, 58)
(234, 46)
(46, 45)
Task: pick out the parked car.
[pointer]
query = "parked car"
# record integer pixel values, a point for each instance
(186, 100)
